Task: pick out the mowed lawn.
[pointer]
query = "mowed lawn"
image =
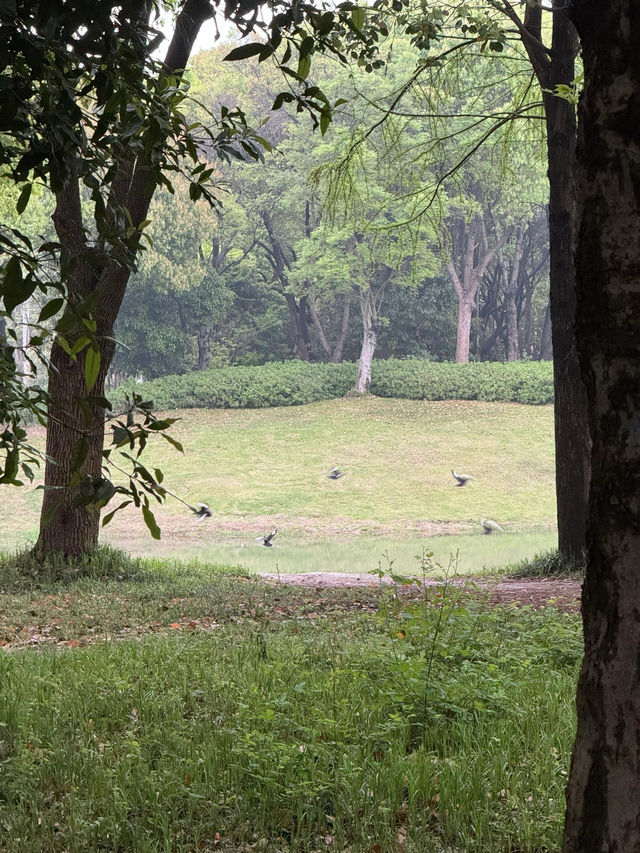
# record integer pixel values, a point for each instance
(262, 468)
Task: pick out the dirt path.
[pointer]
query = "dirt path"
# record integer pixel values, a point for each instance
(562, 593)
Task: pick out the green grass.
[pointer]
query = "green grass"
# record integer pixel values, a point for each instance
(473, 553)
(289, 720)
(262, 468)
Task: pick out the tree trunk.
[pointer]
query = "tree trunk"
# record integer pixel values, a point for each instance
(204, 349)
(570, 409)
(369, 315)
(570, 413)
(465, 310)
(299, 326)
(603, 799)
(65, 527)
(545, 352)
(510, 279)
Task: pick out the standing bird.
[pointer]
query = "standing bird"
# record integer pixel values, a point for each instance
(335, 474)
(461, 478)
(489, 526)
(202, 511)
(266, 540)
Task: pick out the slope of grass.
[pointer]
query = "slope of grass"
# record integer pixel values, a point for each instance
(262, 468)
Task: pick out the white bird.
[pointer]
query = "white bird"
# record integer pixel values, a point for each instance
(461, 478)
(266, 540)
(335, 474)
(202, 511)
(489, 526)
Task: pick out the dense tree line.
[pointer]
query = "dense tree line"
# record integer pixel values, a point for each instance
(299, 263)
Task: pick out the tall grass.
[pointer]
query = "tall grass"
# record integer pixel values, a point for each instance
(427, 725)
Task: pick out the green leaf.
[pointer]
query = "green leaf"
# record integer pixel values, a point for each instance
(172, 441)
(244, 52)
(52, 307)
(306, 47)
(15, 288)
(304, 66)
(23, 198)
(110, 515)
(150, 521)
(325, 121)
(78, 345)
(358, 17)
(91, 366)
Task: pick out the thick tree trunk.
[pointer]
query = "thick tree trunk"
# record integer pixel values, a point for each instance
(369, 314)
(603, 801)
(65, 527)
(570, 410)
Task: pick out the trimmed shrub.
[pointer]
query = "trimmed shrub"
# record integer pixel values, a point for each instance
(295, 383)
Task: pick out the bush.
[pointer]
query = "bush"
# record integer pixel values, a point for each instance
(295, 383)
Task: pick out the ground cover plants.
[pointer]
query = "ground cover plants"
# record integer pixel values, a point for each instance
(180, 707)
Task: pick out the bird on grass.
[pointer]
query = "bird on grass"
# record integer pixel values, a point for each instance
(490, 526)
(335, 474)
(202, 511)
(461, 478)
(266, 540)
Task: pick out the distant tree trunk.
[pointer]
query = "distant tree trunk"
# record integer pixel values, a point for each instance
(465, 312)
(369, 314)
(333, 352)
(603, 798)
(299, 326)
(510, 278)
(470, 246)
(545, 352)
(204, 349)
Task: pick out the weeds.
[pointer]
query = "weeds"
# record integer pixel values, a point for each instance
(548, 564)
(405, 719)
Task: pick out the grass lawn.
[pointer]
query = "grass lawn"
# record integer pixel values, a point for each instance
(173, 707)
(259, 469)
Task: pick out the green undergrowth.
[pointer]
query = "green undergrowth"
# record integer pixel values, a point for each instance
(262, 717)
(548, 564)
(294, 383)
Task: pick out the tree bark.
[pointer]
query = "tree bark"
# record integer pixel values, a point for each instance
(65, 527)
(369, 313)
(204, 349)
(510, 279)
(570, 409)
(603, 800)
(570, 413)
(465, 312)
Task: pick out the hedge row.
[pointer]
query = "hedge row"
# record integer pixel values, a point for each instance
(294, 383)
